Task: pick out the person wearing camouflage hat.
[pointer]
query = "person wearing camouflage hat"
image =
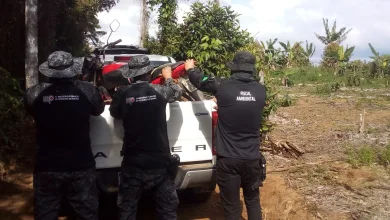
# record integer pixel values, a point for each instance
(240, 100)
(64, 167)
(146, 154)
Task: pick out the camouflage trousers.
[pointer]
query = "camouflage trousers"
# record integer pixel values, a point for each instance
(134, 181)
(79, 188)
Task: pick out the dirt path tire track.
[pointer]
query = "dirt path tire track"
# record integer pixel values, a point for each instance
(278, 202)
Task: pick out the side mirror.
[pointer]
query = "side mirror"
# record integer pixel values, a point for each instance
(114, 25)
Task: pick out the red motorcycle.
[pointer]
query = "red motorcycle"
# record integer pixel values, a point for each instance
(107, 77)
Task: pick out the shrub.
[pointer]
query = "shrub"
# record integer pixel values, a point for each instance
(211, 35)
(11, 106)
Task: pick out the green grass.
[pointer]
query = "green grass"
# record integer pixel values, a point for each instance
(384, 156)
(312, 75)
(327, 88)
(286, 100)
(368, 155)
(369, 83)
(321, 75)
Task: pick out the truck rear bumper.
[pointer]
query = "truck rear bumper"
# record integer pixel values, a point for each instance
(199, 175)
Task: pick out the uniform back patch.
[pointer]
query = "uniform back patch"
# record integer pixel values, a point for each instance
(50, 98)
(246, 96)
(131, 100)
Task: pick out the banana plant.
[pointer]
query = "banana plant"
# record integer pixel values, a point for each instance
(343, 57)
(271, 55)
(288, 53)
(310, 50)
(380, 60)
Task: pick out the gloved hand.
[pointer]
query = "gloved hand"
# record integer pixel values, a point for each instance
(166, 72)
(189, 64)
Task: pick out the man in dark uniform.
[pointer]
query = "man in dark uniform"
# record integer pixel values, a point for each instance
(240, 101)
(65, 166)
(141, 106)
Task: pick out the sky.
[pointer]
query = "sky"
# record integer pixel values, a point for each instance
(287, 20)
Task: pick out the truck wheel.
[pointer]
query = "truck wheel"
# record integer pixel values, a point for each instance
(201, 197)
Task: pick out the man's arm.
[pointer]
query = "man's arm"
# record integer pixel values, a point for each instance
(97, 102)
(31, 95)
(170, 90)
(93, 96)
(204, 83)
(116, 103)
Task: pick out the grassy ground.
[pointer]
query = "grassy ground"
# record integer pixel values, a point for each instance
(344, 173)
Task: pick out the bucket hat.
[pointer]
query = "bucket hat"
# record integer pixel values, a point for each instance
(61, 64)
(138, 66)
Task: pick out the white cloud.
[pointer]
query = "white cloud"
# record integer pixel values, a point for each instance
(293, 20)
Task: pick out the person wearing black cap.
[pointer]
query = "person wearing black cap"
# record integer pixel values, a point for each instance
(146, 153)
(64, 167)
(240, 100)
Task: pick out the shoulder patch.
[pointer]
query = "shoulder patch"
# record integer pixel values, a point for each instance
(204, 78)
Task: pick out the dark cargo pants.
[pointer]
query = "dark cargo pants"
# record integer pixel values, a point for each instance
(78, 187)
(231, 175)
(134, 181)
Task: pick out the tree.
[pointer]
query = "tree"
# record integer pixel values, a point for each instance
(380, 65)
(31, 64)
(145, 14)
(82, 20)
(211, 34)
(273, 57)
(167, 25)
(343, 57)
(333, 36)
(289, 53)
(329, 56)
(310, 50)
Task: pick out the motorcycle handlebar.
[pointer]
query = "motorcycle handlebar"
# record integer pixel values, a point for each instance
(115, 42)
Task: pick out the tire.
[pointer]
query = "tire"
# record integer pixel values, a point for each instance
(201, 197)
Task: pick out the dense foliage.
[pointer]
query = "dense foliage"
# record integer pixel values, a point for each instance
(167, 28)
(10, 105)
(211, 35)
(68, 25)
(63, 25)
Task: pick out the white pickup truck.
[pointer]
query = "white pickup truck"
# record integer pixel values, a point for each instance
(191, 136)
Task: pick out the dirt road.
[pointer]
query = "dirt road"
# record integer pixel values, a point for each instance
(278, 201)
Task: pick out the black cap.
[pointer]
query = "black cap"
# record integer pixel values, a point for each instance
(243, 61)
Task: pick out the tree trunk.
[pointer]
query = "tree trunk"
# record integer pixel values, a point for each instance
(144, 22)
(31, 62)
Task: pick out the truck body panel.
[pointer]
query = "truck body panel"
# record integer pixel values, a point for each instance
(189, 131)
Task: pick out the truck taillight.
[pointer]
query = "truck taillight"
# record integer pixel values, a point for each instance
(214, 127)
(122, 58)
